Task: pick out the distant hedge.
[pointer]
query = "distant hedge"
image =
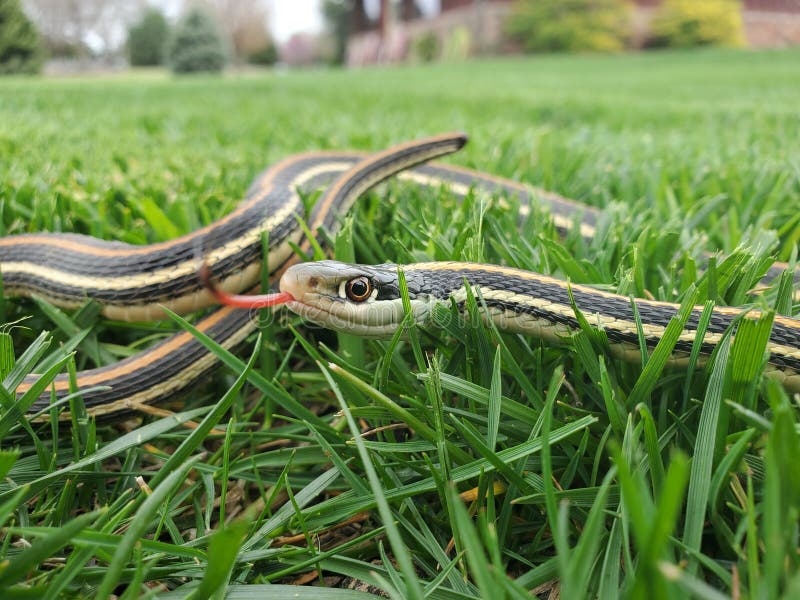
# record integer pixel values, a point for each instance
(570, 25)
(20, 48)
(688, 23)
(196, 45)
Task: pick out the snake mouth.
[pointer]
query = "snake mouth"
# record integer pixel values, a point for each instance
(378, 322)
(312, 309)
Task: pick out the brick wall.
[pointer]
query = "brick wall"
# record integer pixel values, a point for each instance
(771, 29)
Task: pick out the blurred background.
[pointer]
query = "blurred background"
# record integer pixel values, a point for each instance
(70, 36)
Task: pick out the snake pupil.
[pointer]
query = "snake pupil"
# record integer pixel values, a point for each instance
(358, 289)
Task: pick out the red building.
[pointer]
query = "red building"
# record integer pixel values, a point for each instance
(406, 11)
(460, 27)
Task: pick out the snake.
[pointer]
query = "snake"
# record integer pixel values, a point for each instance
(141, 283)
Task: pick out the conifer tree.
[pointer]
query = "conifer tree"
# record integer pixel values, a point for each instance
(147, 40)
(196, 46)
(20, 48)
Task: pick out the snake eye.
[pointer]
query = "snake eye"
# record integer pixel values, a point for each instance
(358, 289)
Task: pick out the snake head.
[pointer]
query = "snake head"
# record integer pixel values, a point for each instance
(359, 299)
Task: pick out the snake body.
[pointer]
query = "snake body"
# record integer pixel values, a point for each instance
(137, 282)
(516, 301)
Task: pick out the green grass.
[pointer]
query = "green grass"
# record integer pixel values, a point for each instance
(602, 478)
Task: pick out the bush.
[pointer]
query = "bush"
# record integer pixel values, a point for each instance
(64, 49)
(196, 46)
(20, 48)
(267, 56)
(687, 23)
(147, 40)
(570, 25)
(426, 47)
(457, 44)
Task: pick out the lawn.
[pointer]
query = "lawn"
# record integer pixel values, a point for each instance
(573, 469)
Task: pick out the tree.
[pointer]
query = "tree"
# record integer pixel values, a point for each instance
(246, 25)
(147, 40)
(337, 15)
(570, 25)
(20, 50)
(196, 46)
(68, 26)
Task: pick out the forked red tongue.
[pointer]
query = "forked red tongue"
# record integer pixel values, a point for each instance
(242, 300)
(253, 301)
